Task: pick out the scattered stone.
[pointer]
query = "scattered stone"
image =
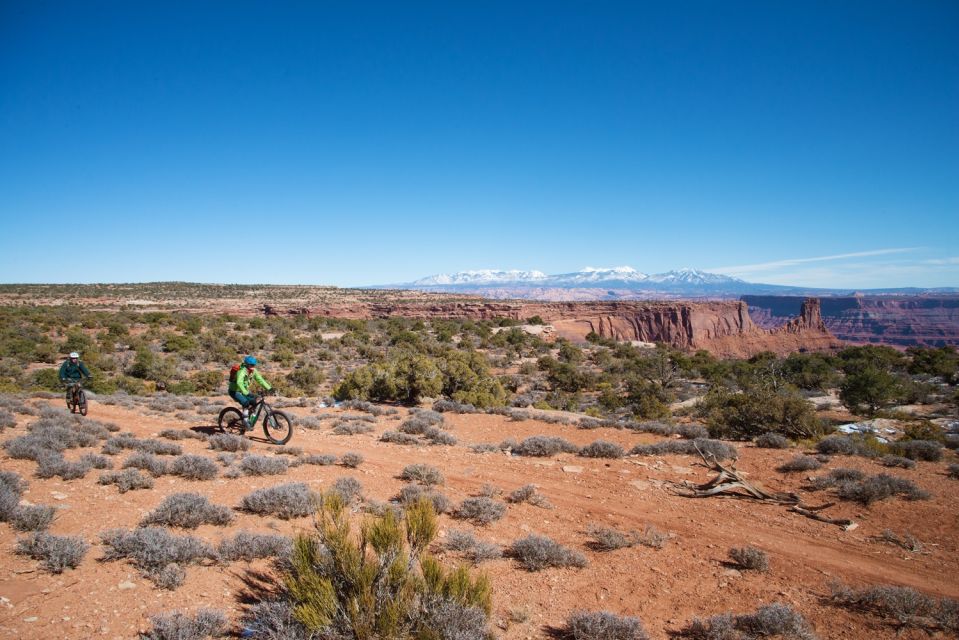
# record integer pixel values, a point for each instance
(570, 468)
(125, 585)
(58, 496)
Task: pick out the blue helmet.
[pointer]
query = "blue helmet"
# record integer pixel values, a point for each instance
(249, 361)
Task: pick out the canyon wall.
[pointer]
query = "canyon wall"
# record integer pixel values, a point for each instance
(893, 320)
(724, 328)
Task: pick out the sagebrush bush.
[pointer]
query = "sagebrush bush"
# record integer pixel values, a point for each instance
(146, 462)
(193, 467)
(320, 459)
(905, 605)
(36, 517)
(897, 461)
(187, 510)
(771, 620)
(607, 539)
(720, 450)
(12, 487)
(928, 450)
(127, 480)
(535, 553)
(953, 471)
(451, 406)
(52, 464)
(770, 440)
(55, 553)
(603, 625)
(275, 620)
(415, 598)
(257, 465)
(204, 624)
(544, 446)
(351, 459)
(692, 431)
(348, 489)
(7, 420)
(422, 473)
(182, 434)
(848, 446)
(228, 442)
(602, 449)
(158, 554)
(351, 427)
(96, 461)
(252, 546)
(749, 558)
(413, 493)
(800, 463)
(395, 437)
(284, 501)
(879, 487)
(435, 435)
(480, 510)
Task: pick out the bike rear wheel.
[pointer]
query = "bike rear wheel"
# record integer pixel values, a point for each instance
(231, 420)
(277, 427)
(82, 402)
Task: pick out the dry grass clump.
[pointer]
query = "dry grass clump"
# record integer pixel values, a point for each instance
(205, 623)
(55, 553)
(12, 487)
(749, 558)
(52, 464)
(484, 447)
(117, 444)
(480, 510)
(692, 431)
(719, 450)
(127, 480)
(603, 625)
(602, 449)
(284, 501)
(451, 406)
(368, 407)
(228, 442)
(906, 606)
(7, 419)
(535, 553)
(189, 511)
(423, 474)
(395, 437)
(252, 546)
(435, 435)
(146, 462)
(320, 459)
(96, 461)
(906, 541)
(800, 463)
(193, 467)
(771, 440)
(953, 471)
(607, 539)
(846, 446)
(771, 620)
(348, 489)
(897, 461)
(351, 459)
(544, 446)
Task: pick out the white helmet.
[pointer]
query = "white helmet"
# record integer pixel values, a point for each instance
(74, 354)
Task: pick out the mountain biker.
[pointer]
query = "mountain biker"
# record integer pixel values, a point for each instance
(73, 370)
(240, 386)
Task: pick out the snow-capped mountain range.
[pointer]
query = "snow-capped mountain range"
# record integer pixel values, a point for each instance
(587, 277)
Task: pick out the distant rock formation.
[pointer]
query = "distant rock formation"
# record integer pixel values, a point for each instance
(724, 328)
(929, 320)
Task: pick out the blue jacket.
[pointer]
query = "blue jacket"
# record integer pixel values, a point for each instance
(73, 372)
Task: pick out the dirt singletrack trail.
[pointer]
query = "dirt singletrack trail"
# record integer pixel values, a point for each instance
(665, 588)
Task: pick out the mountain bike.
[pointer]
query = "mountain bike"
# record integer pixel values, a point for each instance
(277, 426)
(76, 399)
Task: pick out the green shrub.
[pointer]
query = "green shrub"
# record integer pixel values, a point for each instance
(755, 411)
(384, 584)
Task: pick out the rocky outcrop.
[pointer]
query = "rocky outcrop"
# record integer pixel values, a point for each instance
(894, 320)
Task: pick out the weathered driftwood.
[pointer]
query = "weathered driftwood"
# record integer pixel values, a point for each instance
(732, 482)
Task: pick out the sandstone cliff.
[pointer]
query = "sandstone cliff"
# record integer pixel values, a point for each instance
(723, 328)
(894, 320)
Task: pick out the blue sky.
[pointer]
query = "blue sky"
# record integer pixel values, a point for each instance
(811, 143)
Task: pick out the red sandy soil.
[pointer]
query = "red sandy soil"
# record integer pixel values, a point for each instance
(665, 588)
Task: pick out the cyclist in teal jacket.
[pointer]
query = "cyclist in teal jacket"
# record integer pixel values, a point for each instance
(73, 370)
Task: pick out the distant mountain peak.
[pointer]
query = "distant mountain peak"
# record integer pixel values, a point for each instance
(482, 277)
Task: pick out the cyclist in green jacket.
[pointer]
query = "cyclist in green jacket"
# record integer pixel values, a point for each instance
(73, 370)
(240, 386)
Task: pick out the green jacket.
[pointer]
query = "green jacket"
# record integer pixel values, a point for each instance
(243, 381)
(73, 372)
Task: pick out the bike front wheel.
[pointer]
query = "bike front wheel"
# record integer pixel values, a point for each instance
(278, 427)
(71, 405)
(231, 419)
(82, 402)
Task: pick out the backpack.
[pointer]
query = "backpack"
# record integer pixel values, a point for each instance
(234, 370)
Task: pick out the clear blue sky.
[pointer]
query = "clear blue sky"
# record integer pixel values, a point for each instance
(356, 143)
